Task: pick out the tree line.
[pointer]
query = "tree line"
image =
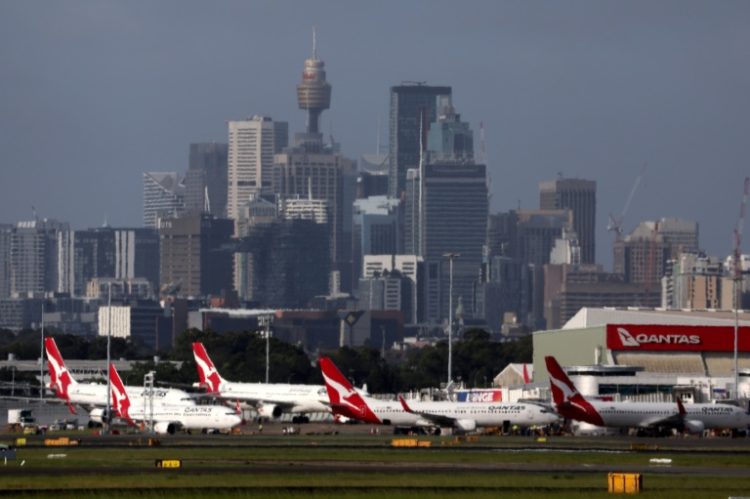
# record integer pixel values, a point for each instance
(241, 356)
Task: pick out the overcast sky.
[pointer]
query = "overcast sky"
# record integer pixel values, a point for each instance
(93, 93)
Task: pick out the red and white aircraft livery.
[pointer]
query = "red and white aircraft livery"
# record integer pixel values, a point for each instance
(271, 400)
(693, 418)
(95, 394)
(463, 416)
(170, 418)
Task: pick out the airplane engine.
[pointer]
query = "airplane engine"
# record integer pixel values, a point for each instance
(98, 415)
(165, 427)
(269, 411)
(694, 426)
(466, 424)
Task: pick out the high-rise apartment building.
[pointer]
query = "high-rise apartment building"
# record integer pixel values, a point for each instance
(206, 179)
(195, 257)
(34, 256)
(252, 145)
(642, 255)
(414, 107)
(163, 196)
(579, 196)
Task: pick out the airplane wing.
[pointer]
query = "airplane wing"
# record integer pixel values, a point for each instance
(676, 420)
(436, 419)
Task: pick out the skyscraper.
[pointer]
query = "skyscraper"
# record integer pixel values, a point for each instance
(206, 179)
(252, 145)
(413, 107)
(163, 196)
(454, 220)
(579, 196)
(194, 258)
(34, 256)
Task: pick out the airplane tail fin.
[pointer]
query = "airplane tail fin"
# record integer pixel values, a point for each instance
(120, 398)
(563, 389)
(207, 373)
(344, 399)
(60, 378)
(526, 377)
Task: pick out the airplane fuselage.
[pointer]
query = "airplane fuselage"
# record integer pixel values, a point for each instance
(295, 398)
(483, 414)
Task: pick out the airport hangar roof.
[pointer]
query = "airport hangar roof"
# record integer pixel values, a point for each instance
(591, 317)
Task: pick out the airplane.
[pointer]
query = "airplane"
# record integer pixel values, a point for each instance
(94, 395)
(462, 416)
(271, 400)
(170, 418)
(693, 418)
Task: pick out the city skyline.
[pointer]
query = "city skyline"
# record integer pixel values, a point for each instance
(96, 94)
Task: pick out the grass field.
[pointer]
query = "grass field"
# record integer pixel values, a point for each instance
(339, 467)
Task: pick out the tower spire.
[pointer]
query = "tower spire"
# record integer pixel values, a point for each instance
(315, 44)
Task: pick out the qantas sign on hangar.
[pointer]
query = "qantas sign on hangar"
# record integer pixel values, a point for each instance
(701, 350)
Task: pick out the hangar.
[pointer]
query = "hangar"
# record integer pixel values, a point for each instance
(650, 354)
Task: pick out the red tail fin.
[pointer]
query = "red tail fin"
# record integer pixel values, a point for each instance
(526, 378)
(563, 390)
(568, 401)
(343, 397)
(60, 378)
(120, 398)
(207, 373)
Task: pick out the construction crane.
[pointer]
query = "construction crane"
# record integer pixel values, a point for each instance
(615, 222)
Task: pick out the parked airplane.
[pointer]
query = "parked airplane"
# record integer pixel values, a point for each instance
(271, 400)
(693, 418)
(462, 416)
(94, 395)
(170, 418)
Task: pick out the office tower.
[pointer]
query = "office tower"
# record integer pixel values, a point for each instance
(316, 210)
(413, 107)
(409, 266)
(34, 256)
(195, 256)
(6, 232)
(137, 254)
(579, 196)
(206, 179)
(163, 196)
(568, 288)
(252, 145)
(387, 291)
(290, 262)
(373, 176)
(453, 220)
(506, 289)
(376, 229)
(257, 211)
(449, 138)
(93, 255)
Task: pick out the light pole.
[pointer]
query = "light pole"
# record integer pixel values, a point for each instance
(109, 337)
(450, 257)
(265, 321)
(736, 334)
(41, 358)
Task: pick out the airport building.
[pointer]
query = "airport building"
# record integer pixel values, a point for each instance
(650, 354)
